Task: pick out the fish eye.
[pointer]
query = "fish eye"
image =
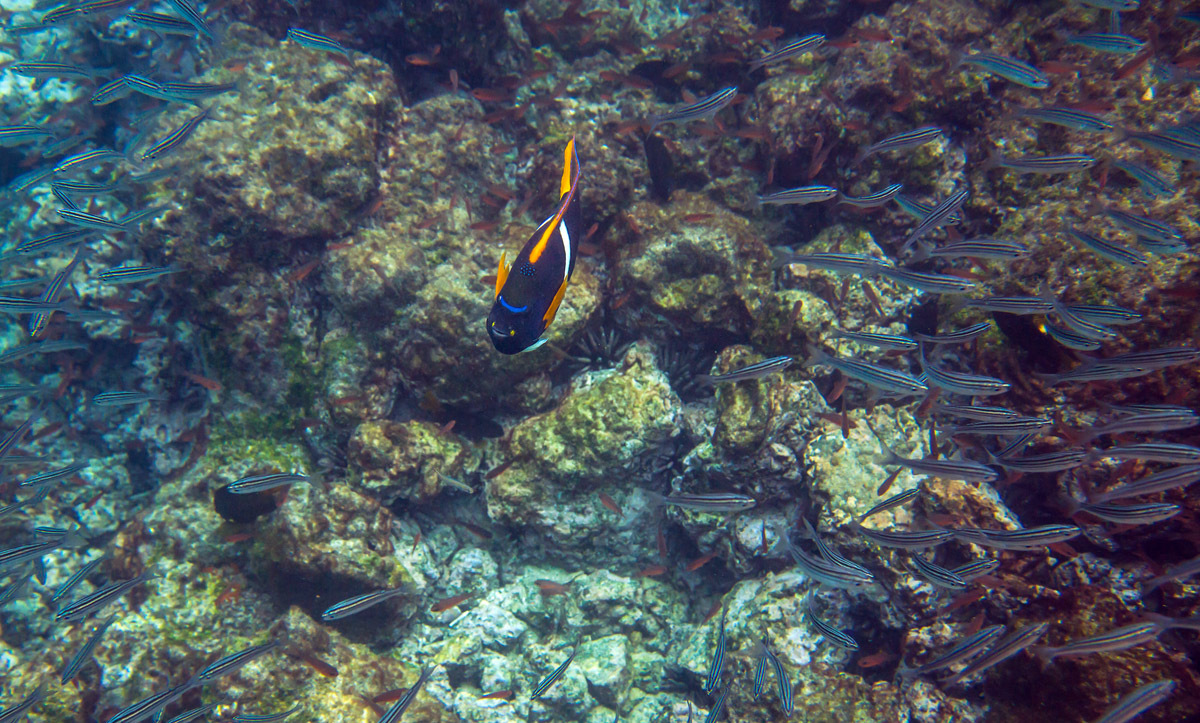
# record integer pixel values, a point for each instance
(512, 332)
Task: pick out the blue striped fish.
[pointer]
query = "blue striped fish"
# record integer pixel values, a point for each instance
(937, 575)
(717, 664)
(120, 399)
(1005, 648)
(890, 380)
(1144, 513)
(50, 69)
(901, 142)
(1067, 118)
(1110, 250)
(871, 200)
(1108, 315)
(838, 637)
(833, 261)
(1049, 165)
(87, 160)
(958, 336)
(151, 706)
(1008, 68)
(964, 649)
(1115, 43)
(189, 13)
(1122, 638)
(799, 196)
(53, 292)
(927, 282)
(162, 23)
(18, 134)
(783, 682)
(1151, 452)
(966, 384)
(919, 210)
(794, 49)
(939, 216)
(98, 600)
(135, 274)
(882, 341)
(825, 572)
(175, 139)
(977, 248)
(1139, 701)
(553, 677)
(753, 371)
(235, 661)
(718, 708)
(267, 717)
(359, 603)
(904, 539)
(1151, 182)
(1024, 539)
(1145, 227)
(264, 482)
(1168, 479)
(1042, 463)
(73, 581)
(1175, 143)
(312, 40)
(84, 654)
(760, 670)
(704, 108)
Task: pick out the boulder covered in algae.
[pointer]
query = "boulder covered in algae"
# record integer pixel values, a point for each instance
(411, 461)
(605, 435)
(696, 264)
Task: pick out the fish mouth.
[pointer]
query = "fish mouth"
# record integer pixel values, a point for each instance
(497, 333)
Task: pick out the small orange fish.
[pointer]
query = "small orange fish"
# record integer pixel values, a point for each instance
(610, 503)
(652, 571)
(500, 694)
(239, 537)
(700, 562)
(450, 602)
(390, 696)
(319, 665)
(874, 660)
(211, 385)
(550, 588)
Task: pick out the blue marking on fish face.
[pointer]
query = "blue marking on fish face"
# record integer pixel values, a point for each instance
(514, 309)
(513, 329)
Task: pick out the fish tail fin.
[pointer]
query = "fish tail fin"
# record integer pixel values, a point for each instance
(955, 58)
(889, 454)
(1045, 654)
(571, 172)
(993, 160)
(921, 252)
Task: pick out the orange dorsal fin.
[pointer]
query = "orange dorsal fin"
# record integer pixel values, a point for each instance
(570, 174)
(570, 180)
(501, 274)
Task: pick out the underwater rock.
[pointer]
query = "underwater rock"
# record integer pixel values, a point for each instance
(409, 460)
(287, 159)
(696, 264)
(606, 432)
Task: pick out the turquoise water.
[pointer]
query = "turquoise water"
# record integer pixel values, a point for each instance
(612, 361)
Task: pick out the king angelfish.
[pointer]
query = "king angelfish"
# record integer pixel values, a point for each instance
(529, 292)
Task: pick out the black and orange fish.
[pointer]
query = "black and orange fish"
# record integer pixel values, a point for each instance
(529, 292)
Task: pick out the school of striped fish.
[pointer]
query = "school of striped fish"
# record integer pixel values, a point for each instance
(975, 438)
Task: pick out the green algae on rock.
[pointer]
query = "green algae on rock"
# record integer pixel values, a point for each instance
(409, 461)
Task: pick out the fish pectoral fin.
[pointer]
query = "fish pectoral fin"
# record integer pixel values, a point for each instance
(501, 274)
(552, 310)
